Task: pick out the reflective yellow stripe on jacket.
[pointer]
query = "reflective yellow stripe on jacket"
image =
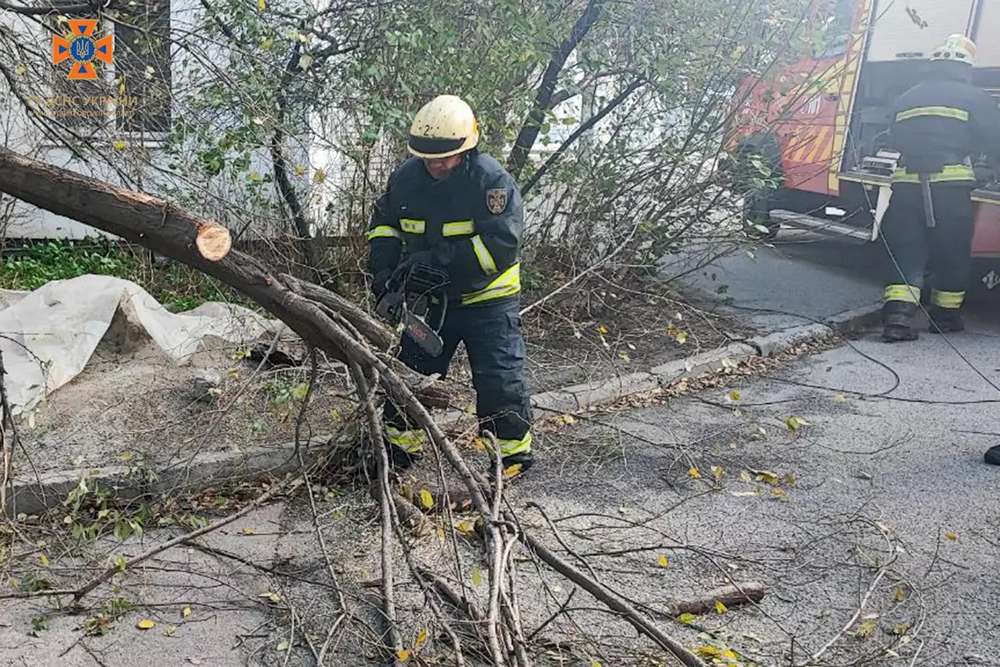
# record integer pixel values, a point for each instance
(951, 174)
(457, 228)
(383, 232)
(506, 284)
(412, 226)
(483, 254)
(938, 112)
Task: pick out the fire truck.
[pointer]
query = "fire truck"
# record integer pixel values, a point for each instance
(822, 123)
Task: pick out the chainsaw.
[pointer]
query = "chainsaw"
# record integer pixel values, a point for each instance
(414, 291)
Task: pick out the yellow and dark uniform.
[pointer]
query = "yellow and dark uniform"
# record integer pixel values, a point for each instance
(938, 125)
(468, 224)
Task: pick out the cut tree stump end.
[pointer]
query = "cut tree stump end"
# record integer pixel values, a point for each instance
(213, 242)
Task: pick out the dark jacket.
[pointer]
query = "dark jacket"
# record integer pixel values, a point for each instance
(939, 124)
(468, 224)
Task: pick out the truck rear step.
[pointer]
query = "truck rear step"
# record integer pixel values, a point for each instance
(819, 225)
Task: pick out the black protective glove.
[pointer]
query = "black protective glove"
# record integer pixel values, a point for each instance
(380, 283)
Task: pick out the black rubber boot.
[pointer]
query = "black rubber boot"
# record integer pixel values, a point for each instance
(992, 456)
(400, 459)
(946, 320)
(516, 465)
(897, 321)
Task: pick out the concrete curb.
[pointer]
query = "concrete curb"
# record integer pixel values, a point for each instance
(31, 496)
(216, 468)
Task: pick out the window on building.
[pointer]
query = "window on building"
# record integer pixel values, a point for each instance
(133, 93)
(142, 66)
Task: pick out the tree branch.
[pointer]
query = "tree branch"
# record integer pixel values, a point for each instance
(579, 132)
(543, 98)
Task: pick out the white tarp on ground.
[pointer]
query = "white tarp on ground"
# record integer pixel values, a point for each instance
(47, 336)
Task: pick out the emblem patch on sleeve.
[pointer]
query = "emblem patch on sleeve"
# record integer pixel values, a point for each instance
(496, 200)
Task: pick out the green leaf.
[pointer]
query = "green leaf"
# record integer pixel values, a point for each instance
(687, 618)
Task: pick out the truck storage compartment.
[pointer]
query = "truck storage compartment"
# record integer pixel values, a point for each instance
(912, 29)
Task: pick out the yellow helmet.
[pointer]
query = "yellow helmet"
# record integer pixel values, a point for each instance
(957, 48)
(443, 127)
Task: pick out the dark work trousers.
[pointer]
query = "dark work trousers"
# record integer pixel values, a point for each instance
(492, 336)
(943, 251)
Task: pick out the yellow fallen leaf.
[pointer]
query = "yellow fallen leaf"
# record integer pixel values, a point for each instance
(795, 423)
(477, 577)
(119, 144)
(282, 646)
(426, 499)
(768, 476)
(319, 176)
(901, 629)
(602, 330)
(249, 531)
(951, 536)
(512, 471)
(145, 624)
(694, 473)
(718, 472)
(900, 594)
(663, 560)
(465, 527)
(840, 398)
(595, 663)
(865, 630)
(720, 608)
(261, 4)
(745, 476)
(272, 596)
(403, 655)
(730, 655)
(479, 443)
(43, 559)
(734, 395)
(421, 638)
(687, 618)
(681, 337)
(568, 419)
(186, 611)
(708, 651)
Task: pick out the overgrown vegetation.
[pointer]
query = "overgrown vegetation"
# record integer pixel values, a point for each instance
(176, 286)
(613, 115)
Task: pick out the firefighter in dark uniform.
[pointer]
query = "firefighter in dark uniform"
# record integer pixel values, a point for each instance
(938, 125)
(457, 210)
